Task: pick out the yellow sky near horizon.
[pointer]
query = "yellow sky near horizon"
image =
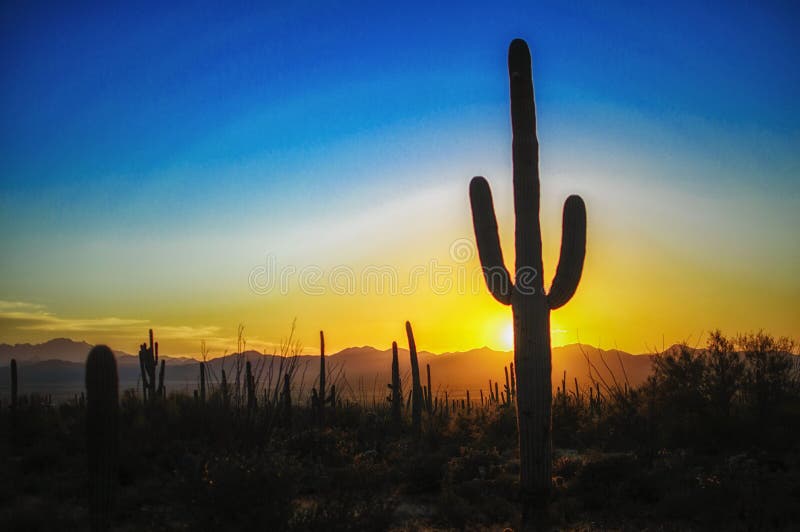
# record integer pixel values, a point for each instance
(667, 280)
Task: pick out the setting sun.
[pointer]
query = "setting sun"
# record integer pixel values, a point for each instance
(383, 266)
(507, 337)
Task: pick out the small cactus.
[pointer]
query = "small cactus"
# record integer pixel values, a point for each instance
(148, 361)
(102, 434)
(397, 390)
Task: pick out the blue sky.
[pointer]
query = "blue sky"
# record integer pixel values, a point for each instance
(130, 129)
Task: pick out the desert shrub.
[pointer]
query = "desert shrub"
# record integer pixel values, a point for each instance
(771, 372)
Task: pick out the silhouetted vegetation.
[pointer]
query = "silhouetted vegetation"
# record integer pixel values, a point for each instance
(709, 441)
(525, 294)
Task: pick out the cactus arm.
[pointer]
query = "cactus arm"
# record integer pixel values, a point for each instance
(573, 252)
(525, 156)
(491, 254)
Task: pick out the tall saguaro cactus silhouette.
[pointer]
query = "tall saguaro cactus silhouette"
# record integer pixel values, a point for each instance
(416, 385)
(530, 304)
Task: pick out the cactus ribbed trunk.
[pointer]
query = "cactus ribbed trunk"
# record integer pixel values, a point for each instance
(530, 304)
(534, 399)
(102, 434)
(416, 386)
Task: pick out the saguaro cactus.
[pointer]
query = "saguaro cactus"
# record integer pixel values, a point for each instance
(148, 361)
(396, 398)
(416, 387)
(530, 304)
(102, 434)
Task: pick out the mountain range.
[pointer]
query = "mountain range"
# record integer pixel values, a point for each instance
(360, 371)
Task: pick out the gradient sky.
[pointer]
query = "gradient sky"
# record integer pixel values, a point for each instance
(151, 161)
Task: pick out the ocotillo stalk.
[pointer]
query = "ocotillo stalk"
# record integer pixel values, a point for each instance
(469, 405)
(14, 383)
(530, 304)
(496, 392)
(429, 402)
(397, 391)
(102, 434)
(491, 392)
(416, 388)
(322, 377)
(481, 391)
(202, 382)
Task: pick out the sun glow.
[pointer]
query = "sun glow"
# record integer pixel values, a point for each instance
(507, 337)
